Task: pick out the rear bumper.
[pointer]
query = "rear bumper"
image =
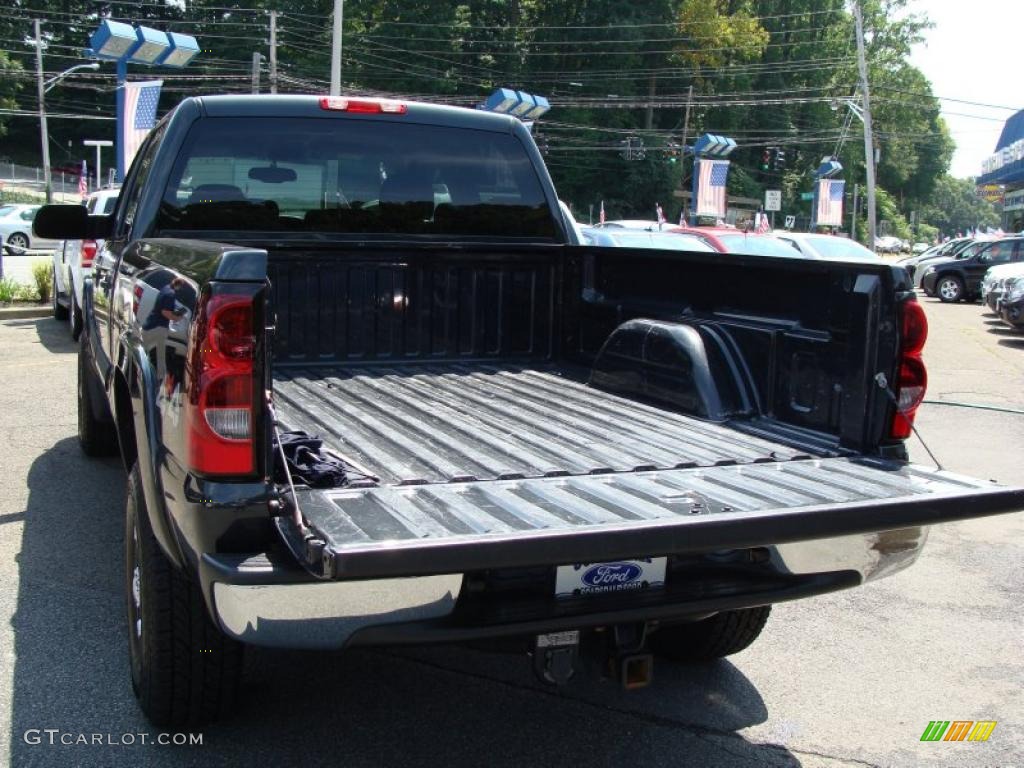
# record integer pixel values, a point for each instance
(265, 603)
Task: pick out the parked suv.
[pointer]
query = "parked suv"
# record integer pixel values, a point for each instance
(72, 263)
(955, 279)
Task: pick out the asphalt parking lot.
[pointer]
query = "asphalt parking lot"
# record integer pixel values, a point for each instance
(849, 679)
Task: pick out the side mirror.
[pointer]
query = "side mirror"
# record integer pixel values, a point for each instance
(70, 222)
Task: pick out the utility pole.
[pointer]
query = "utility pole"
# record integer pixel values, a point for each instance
(256, 71)
(339, 10)
(44, 134)
(869, 152)
(686, 130)
(273, 51)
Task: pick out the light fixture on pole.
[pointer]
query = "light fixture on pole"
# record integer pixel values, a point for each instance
(122, 43)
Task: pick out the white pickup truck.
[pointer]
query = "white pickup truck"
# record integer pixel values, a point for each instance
(72, 263)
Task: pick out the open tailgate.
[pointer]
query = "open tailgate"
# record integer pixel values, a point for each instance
(456, 527)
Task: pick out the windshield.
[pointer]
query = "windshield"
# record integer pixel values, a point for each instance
(665, 242)
(840, 248)
(755, 245)
(358, 176)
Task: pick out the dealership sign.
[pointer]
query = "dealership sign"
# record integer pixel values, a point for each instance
(1004, 157)
(992, 193)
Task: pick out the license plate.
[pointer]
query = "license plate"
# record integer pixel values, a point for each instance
(618, 576)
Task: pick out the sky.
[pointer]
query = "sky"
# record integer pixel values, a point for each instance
(975, 53)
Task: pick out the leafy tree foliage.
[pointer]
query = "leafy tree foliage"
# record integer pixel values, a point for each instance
(765, 72)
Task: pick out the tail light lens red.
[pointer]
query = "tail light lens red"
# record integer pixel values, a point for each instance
(912, 381)
(88, 253)
(221, 385)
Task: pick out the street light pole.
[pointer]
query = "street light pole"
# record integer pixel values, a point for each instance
(869, 152)
(44, 134)
(339, 9)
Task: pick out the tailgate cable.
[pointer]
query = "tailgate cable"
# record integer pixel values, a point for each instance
(883, 384)
(296, 511)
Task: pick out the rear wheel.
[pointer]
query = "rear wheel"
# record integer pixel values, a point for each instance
(723, 634)
(949, 289)
(96, 432)
(184, 670)
(60, 312)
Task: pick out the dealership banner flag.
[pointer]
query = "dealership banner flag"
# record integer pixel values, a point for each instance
(709, 181)
(828, 203)
(140, 100)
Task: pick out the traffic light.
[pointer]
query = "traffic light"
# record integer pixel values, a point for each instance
(780, 159)
(672, 151)
(766, 159)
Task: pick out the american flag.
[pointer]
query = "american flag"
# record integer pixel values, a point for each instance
(829, 211)
(601, 217)
(140, 101)
(83, 181)
(763, 225)
(710, 182)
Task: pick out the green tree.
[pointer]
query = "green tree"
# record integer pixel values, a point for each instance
(954, 207)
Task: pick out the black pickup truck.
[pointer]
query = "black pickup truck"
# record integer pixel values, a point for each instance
(369, 390)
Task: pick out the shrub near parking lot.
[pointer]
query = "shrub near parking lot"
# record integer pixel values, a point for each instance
(42, 274)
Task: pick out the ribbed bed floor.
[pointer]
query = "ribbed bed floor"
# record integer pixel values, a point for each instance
(434, 424)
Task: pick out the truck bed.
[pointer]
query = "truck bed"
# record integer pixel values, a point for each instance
(489, 466)
(444, 423)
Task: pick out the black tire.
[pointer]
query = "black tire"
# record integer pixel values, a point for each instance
(721, 635)
(75, 315)
(949, 289)
(18, 242)
(60, 312)
(184, 671)
(96, 431)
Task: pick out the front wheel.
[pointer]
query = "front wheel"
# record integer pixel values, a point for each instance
(75, 314)
(949, 289)
(184, 670)
(721, 635)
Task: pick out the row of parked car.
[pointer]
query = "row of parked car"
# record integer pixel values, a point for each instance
(971, 268)
(639, 233)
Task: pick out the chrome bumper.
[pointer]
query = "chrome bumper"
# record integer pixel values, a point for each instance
(325, 615)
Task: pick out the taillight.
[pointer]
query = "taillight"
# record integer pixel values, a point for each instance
(88, 253)
(912, 379)
(220, 384)
(363, 106)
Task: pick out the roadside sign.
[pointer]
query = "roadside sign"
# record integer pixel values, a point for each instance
(807, 196)
(773, 200)
(790, 222)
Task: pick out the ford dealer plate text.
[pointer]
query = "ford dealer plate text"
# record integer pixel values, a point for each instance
(617, 576)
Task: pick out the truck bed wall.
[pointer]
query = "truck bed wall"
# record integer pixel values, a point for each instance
(802, 339)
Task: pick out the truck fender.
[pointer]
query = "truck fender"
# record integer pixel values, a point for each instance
(135, 368)
(692, 367)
